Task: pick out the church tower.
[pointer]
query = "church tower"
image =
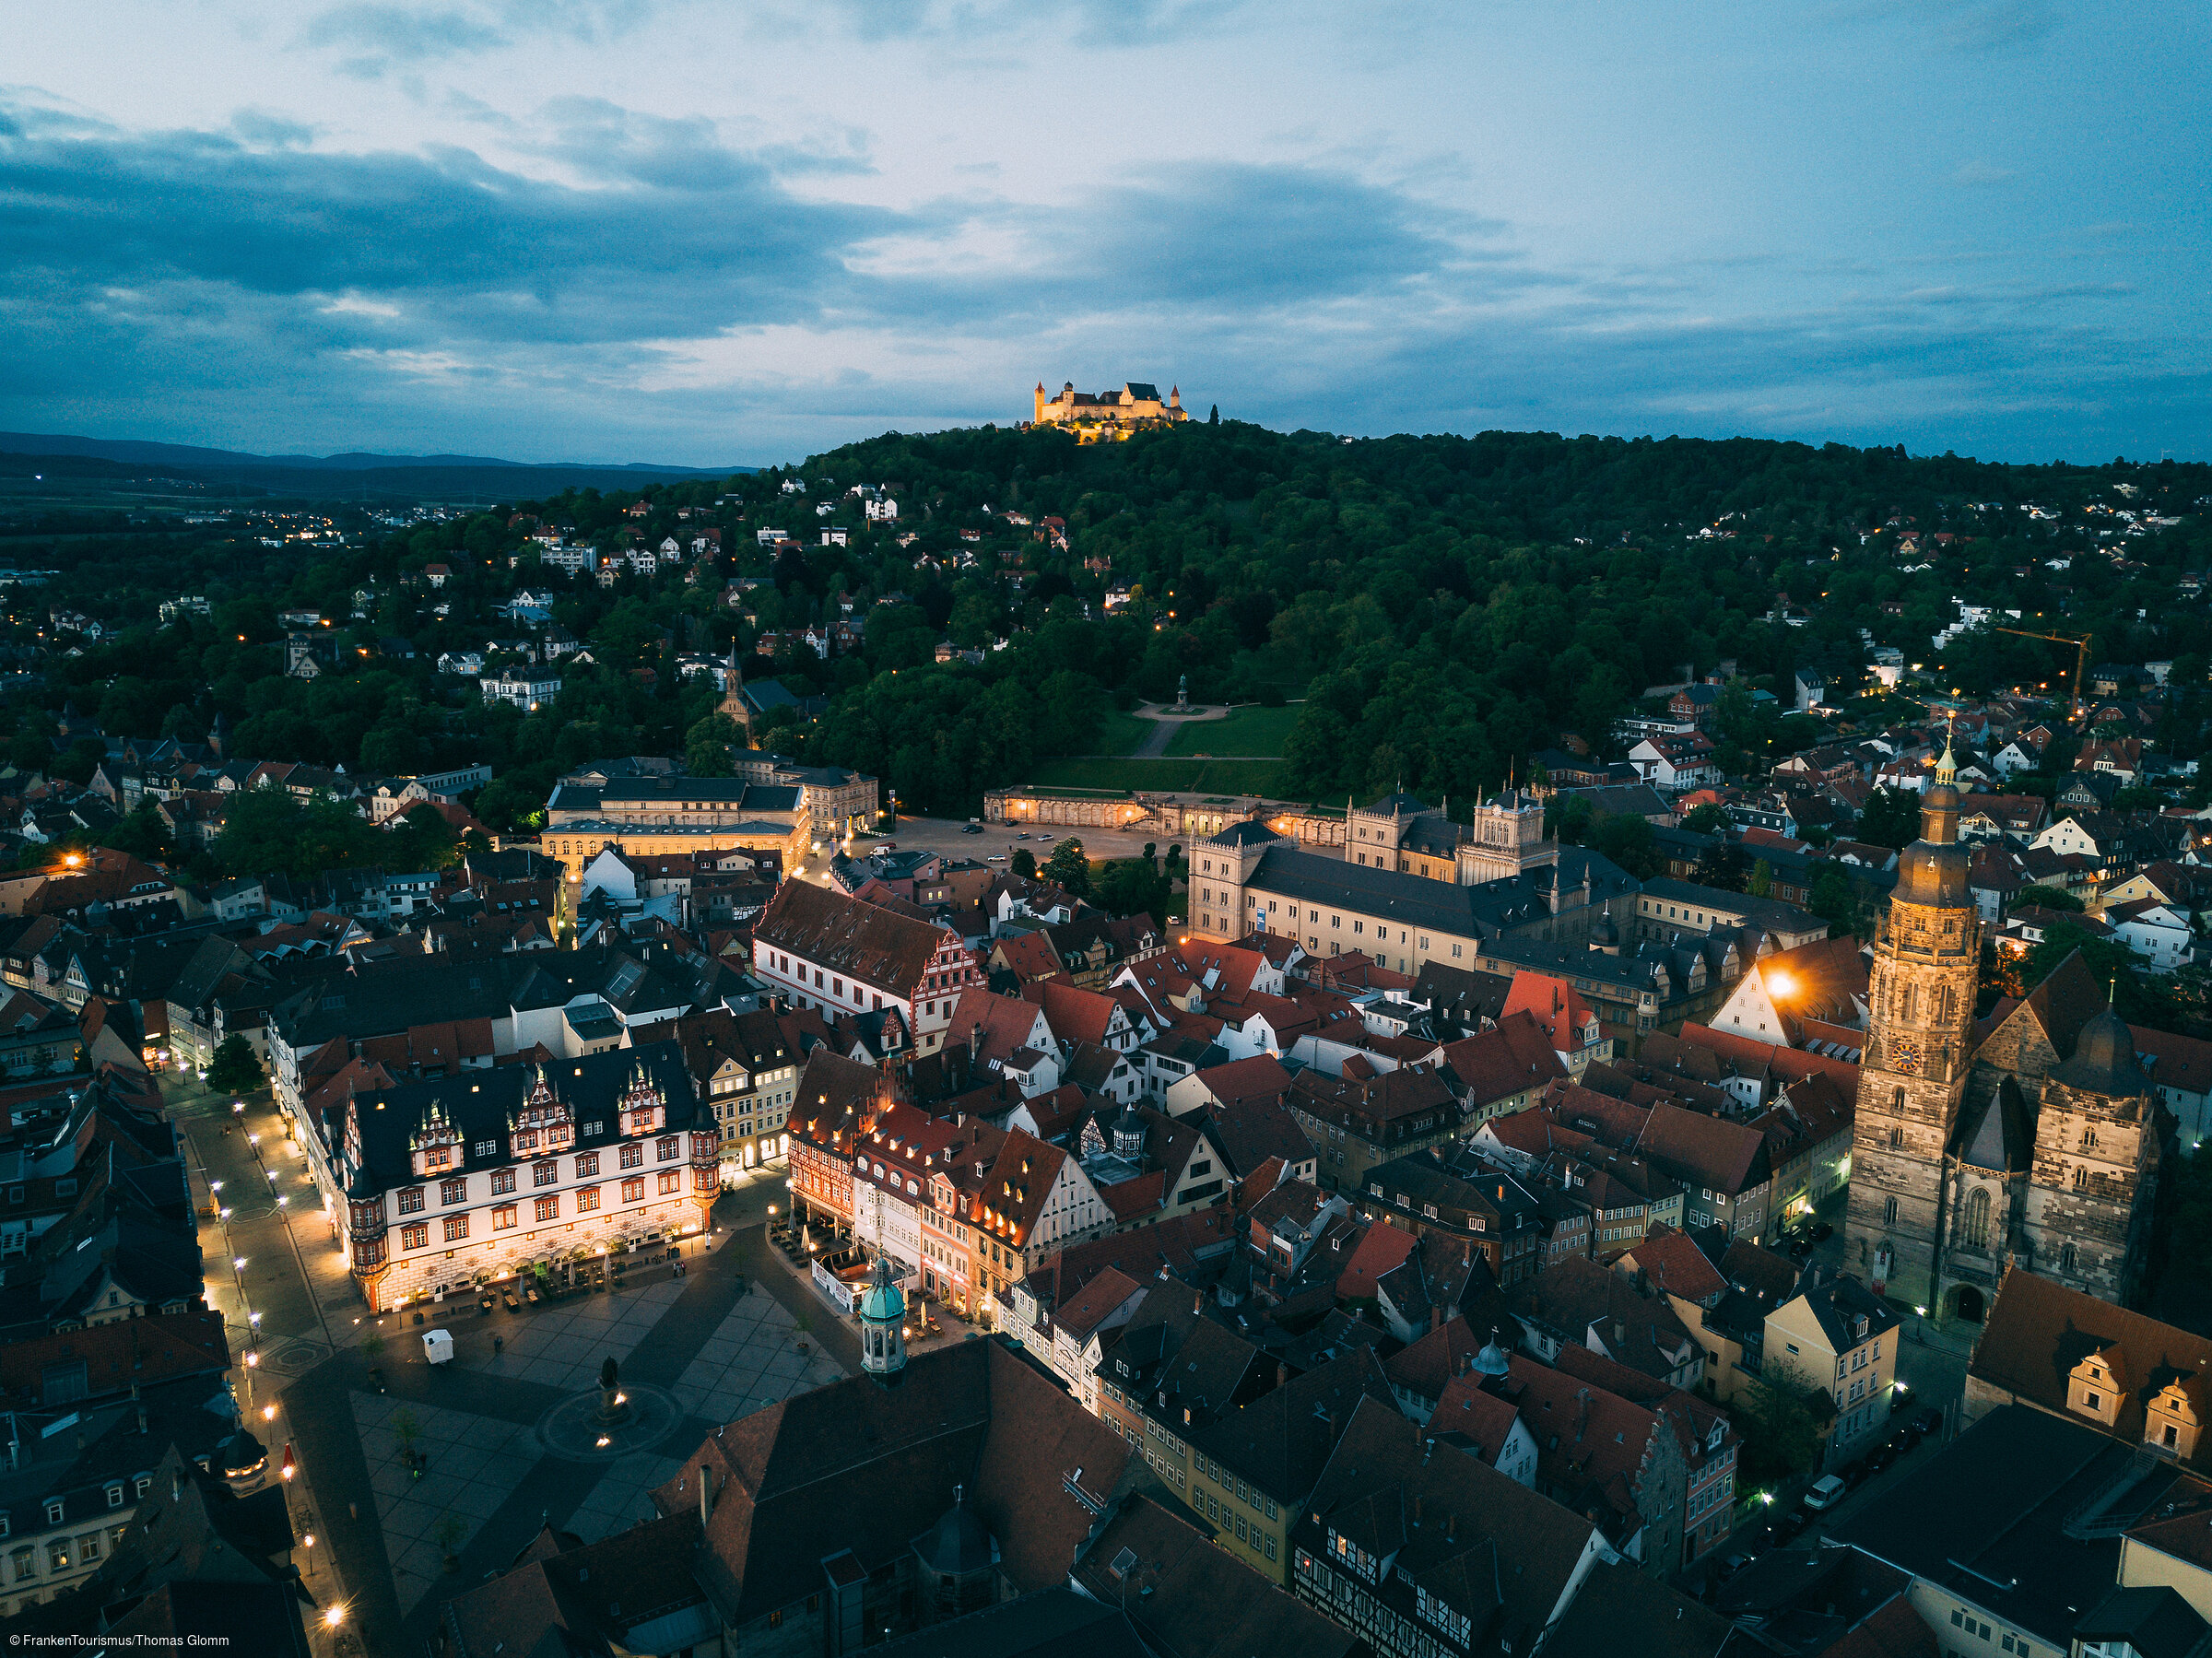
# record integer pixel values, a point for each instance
(882, 1324)
(2096, 1164)
(1920, 996)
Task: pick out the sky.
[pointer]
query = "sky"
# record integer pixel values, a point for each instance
(744, 232)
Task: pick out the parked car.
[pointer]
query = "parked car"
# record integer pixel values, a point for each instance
(1823, 1232)
(972, 829)
(1881, 1456)
(1853, 1474)
(1825, 1492)
(1787, 1528)
(1927, 1419)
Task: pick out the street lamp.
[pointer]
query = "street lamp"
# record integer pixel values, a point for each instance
(333, 1616)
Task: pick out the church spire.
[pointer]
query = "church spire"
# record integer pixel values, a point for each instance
(1947, 769)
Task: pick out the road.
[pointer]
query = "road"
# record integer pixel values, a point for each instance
(270, 1270)
(946, 835)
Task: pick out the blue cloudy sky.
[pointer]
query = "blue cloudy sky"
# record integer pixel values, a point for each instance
(622, 229)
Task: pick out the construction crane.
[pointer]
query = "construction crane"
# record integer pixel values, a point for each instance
(2081, 656)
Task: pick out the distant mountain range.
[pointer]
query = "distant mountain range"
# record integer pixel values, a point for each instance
(357, 478)
(230, 460)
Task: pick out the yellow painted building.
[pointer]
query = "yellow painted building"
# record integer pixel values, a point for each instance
(1110, 416)
(1838, 1335)
(574, 845)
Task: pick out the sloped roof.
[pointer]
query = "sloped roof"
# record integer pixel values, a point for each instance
(1677, 1265)
(2037, 1330)
(857, 1465)
(869, 942)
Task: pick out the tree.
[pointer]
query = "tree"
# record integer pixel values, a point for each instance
(1780, 1418)
(1891, 819)
(1626, 839)
(1068, 869)
(234, 1069)
(1723, 866)
(2047, 898)
(1712, 818)
(1025, 864)
(1836, 901)
(708, 744)
(1761, 882)
(1128, 886)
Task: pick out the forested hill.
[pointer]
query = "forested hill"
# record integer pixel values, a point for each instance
(1436, 608)
(1446, 604)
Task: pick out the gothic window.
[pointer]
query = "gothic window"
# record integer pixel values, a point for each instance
(2081, 1178)
(1889, 1211)
(1897, 1100)
(1909, 1003)
(1945, 1005)
(1896, 1139)
(2088, 1139)
(2065, 1258)
(1974, 1230)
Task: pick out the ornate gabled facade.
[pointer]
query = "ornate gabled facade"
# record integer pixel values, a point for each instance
(474, 1178)
(2034, 1146)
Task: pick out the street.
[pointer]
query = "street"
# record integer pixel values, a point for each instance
(731, 1329)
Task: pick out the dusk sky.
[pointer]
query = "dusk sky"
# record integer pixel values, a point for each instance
(705, 233)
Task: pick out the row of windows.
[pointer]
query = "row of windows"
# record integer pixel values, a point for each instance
(545, 1172)
(454, 1227)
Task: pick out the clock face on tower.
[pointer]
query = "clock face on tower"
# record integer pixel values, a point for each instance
(1905, 1055)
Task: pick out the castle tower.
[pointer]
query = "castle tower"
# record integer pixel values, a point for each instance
(1920, 996)
(1040, 410)
(1507, 838)
(882, 1324)
(2096, 1162)
(1219, 870)
(1373, 833)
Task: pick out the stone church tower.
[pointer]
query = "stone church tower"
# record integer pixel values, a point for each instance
(1926, 961)
(2095, 1163)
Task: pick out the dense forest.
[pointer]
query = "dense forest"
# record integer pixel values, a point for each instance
(1439, 606)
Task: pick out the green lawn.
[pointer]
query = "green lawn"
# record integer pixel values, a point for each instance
(1122, 733)
(1164, 776)
(1244, 731)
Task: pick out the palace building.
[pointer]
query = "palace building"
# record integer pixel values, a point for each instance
(476, 1176)
(2030, 1142)
(1408, 885)
(1110, 416)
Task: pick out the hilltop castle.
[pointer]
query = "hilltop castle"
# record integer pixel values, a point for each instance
(1110, 416)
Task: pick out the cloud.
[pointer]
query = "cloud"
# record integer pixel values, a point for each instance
(262, 130)
(1979, 172)
(381, 35)
(1102, 23)
(666, 288)
(386, 34)
(1966, 25)
(680, 236)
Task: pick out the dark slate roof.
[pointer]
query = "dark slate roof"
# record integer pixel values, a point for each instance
(1416, 902)
(1245, 832)
(2104, 1060)
(2155, 1620)
(480, 1103)
(1998, 1134)
(2010, 1550)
